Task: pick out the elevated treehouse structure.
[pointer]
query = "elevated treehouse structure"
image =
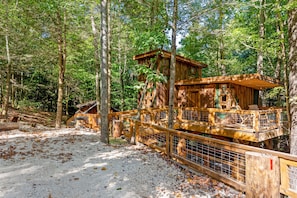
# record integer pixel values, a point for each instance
(225, 107)
(222, 106)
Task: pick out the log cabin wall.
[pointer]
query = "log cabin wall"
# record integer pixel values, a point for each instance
(243, 95)
(201, 96)
(210, 96)
(158, 95)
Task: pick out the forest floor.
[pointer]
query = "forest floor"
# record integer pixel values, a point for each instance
(42, 162)
(64, 163)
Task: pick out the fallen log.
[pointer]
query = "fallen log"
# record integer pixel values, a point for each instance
(6, 126)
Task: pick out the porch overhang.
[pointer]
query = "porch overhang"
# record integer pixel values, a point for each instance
(255, 81)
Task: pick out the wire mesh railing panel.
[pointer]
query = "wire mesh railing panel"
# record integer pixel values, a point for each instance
(293, 178)
(267, 121)
(195, 115)
(234, 120)
(163, 114)
(284, 116)
(227, 163)
(152, 137)
(147, 118)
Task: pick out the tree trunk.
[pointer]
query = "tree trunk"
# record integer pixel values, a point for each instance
(8, 76)
(61, 33)
(172, 66)
(283, 58)
(260, 50)
(122, 77)
(8, 68)
(292, 23)
(67, 101)
(121, 71)
(104, 72)
(109, 54)
(97, 62)
(13, 91)
(221, 57)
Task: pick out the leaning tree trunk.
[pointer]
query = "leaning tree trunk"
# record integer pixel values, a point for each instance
(172, 66)
(104, 72)
(61, 33)
(292, 23)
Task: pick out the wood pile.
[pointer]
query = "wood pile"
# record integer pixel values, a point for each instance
(42, 118)
(6, 126)
(29, 116)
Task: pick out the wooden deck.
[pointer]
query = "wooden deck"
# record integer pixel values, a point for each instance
(248, 125)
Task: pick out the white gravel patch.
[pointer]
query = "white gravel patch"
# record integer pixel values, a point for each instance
(74, 163)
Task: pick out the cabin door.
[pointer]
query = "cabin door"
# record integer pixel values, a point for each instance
(194, 99)
(207, 97)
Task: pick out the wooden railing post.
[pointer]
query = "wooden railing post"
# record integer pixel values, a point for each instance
(179, 114)
(136, 130)
(262, 175)
(256, 121)
(211, 117)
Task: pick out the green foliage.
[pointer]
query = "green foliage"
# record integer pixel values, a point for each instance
(137, 26)
(151, 75)
(276, 96)
(240, 32)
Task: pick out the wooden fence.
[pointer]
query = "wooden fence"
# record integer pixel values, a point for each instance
(224, 161)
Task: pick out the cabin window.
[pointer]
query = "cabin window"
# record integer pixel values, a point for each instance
(256, 96)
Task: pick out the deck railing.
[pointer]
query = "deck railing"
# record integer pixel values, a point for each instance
(225, 161)
(248, 120)
(258, 125)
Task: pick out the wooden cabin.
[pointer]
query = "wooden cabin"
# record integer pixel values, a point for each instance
(160, 60)
(222, 106)
(223, 92)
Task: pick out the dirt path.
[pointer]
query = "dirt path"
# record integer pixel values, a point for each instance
(73, 163)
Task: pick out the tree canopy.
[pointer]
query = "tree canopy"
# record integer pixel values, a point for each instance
(223, 34)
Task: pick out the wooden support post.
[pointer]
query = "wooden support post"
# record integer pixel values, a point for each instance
(262, 175)
(179, 114)
(131, 129)
(136, 129)
(211, 117)
(168, 143)
(117, 128)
